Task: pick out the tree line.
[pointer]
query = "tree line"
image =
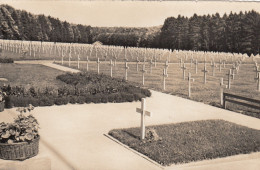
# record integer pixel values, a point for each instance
(229, 33)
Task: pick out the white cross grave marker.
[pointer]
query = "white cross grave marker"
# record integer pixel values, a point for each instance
(137, 63)
(189, 84)
(98, 65)
(221, 90)
(111, 68)
(205, 73)
(183, 71)
(229, 78)
(143, 114)
(258, 81)
(126, 68)
(164, 77)
(196, 66)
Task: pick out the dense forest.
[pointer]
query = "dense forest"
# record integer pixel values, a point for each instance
(229, 33)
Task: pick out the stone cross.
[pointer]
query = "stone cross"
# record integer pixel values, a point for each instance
(221, 85)
(229, 78)
(164, 77)
(98, 62)
(258, 81)
(205, 73)
(143, 114)
(220, 62)
(183, 69)
(126, 68)
(155, 62)
(111, 68)
(189, 84)
(137, 63)
(143, 71)
(224, 63)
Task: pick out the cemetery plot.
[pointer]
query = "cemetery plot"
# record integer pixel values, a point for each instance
(243, 84)
(191, 141)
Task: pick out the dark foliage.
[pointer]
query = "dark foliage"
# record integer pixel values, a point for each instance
(6, 60)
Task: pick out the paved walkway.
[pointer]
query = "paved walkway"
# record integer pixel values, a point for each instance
(72, 136)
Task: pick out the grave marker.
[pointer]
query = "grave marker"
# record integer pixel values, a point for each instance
(221, 90)
(213, 68)
(111, 68)
(258, 81)
(87, 62)
(164, 77)
(126, 68)
(183, 71)
(98, 65)
(166, 65)
(151, 65)
(78, 60)
(137, 63)
(143, 114)
(189, 84)
(205, 73)
(229, 78)
(196, 66)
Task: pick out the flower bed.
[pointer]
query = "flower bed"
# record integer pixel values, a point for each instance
(79, 88)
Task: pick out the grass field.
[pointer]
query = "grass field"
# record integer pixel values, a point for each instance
(209, 93)
(27, 75)
(192, 141)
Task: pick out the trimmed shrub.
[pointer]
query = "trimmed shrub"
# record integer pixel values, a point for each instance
(81, 99)
(6, 60)
(61, 100)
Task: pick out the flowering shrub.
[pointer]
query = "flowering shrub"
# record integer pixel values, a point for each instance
(23, 129)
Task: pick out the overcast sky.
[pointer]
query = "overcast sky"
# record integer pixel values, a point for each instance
(131, 14)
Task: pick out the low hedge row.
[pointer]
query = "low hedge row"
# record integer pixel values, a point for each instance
(6, 60)
(100, 89)
(23, 101)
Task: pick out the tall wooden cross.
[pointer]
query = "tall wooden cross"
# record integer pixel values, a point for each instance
(221, 85)
(258, 81)
(229, 78)
(143, 114)
(164, 77)
(205, 73)
(126, 68)
(143, 71)
(189, 84)
(98, 62)
(111, 68)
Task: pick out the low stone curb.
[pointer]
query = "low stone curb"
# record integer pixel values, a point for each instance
(134, 151)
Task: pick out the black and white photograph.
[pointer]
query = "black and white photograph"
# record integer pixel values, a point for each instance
(129, 85)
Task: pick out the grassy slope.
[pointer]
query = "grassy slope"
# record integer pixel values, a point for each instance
(192, 141)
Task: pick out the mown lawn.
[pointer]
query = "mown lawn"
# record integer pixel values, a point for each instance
(192, 141)
(28, 75)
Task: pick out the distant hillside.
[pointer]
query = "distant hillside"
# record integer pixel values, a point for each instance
(22, 25)
(230, 33)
